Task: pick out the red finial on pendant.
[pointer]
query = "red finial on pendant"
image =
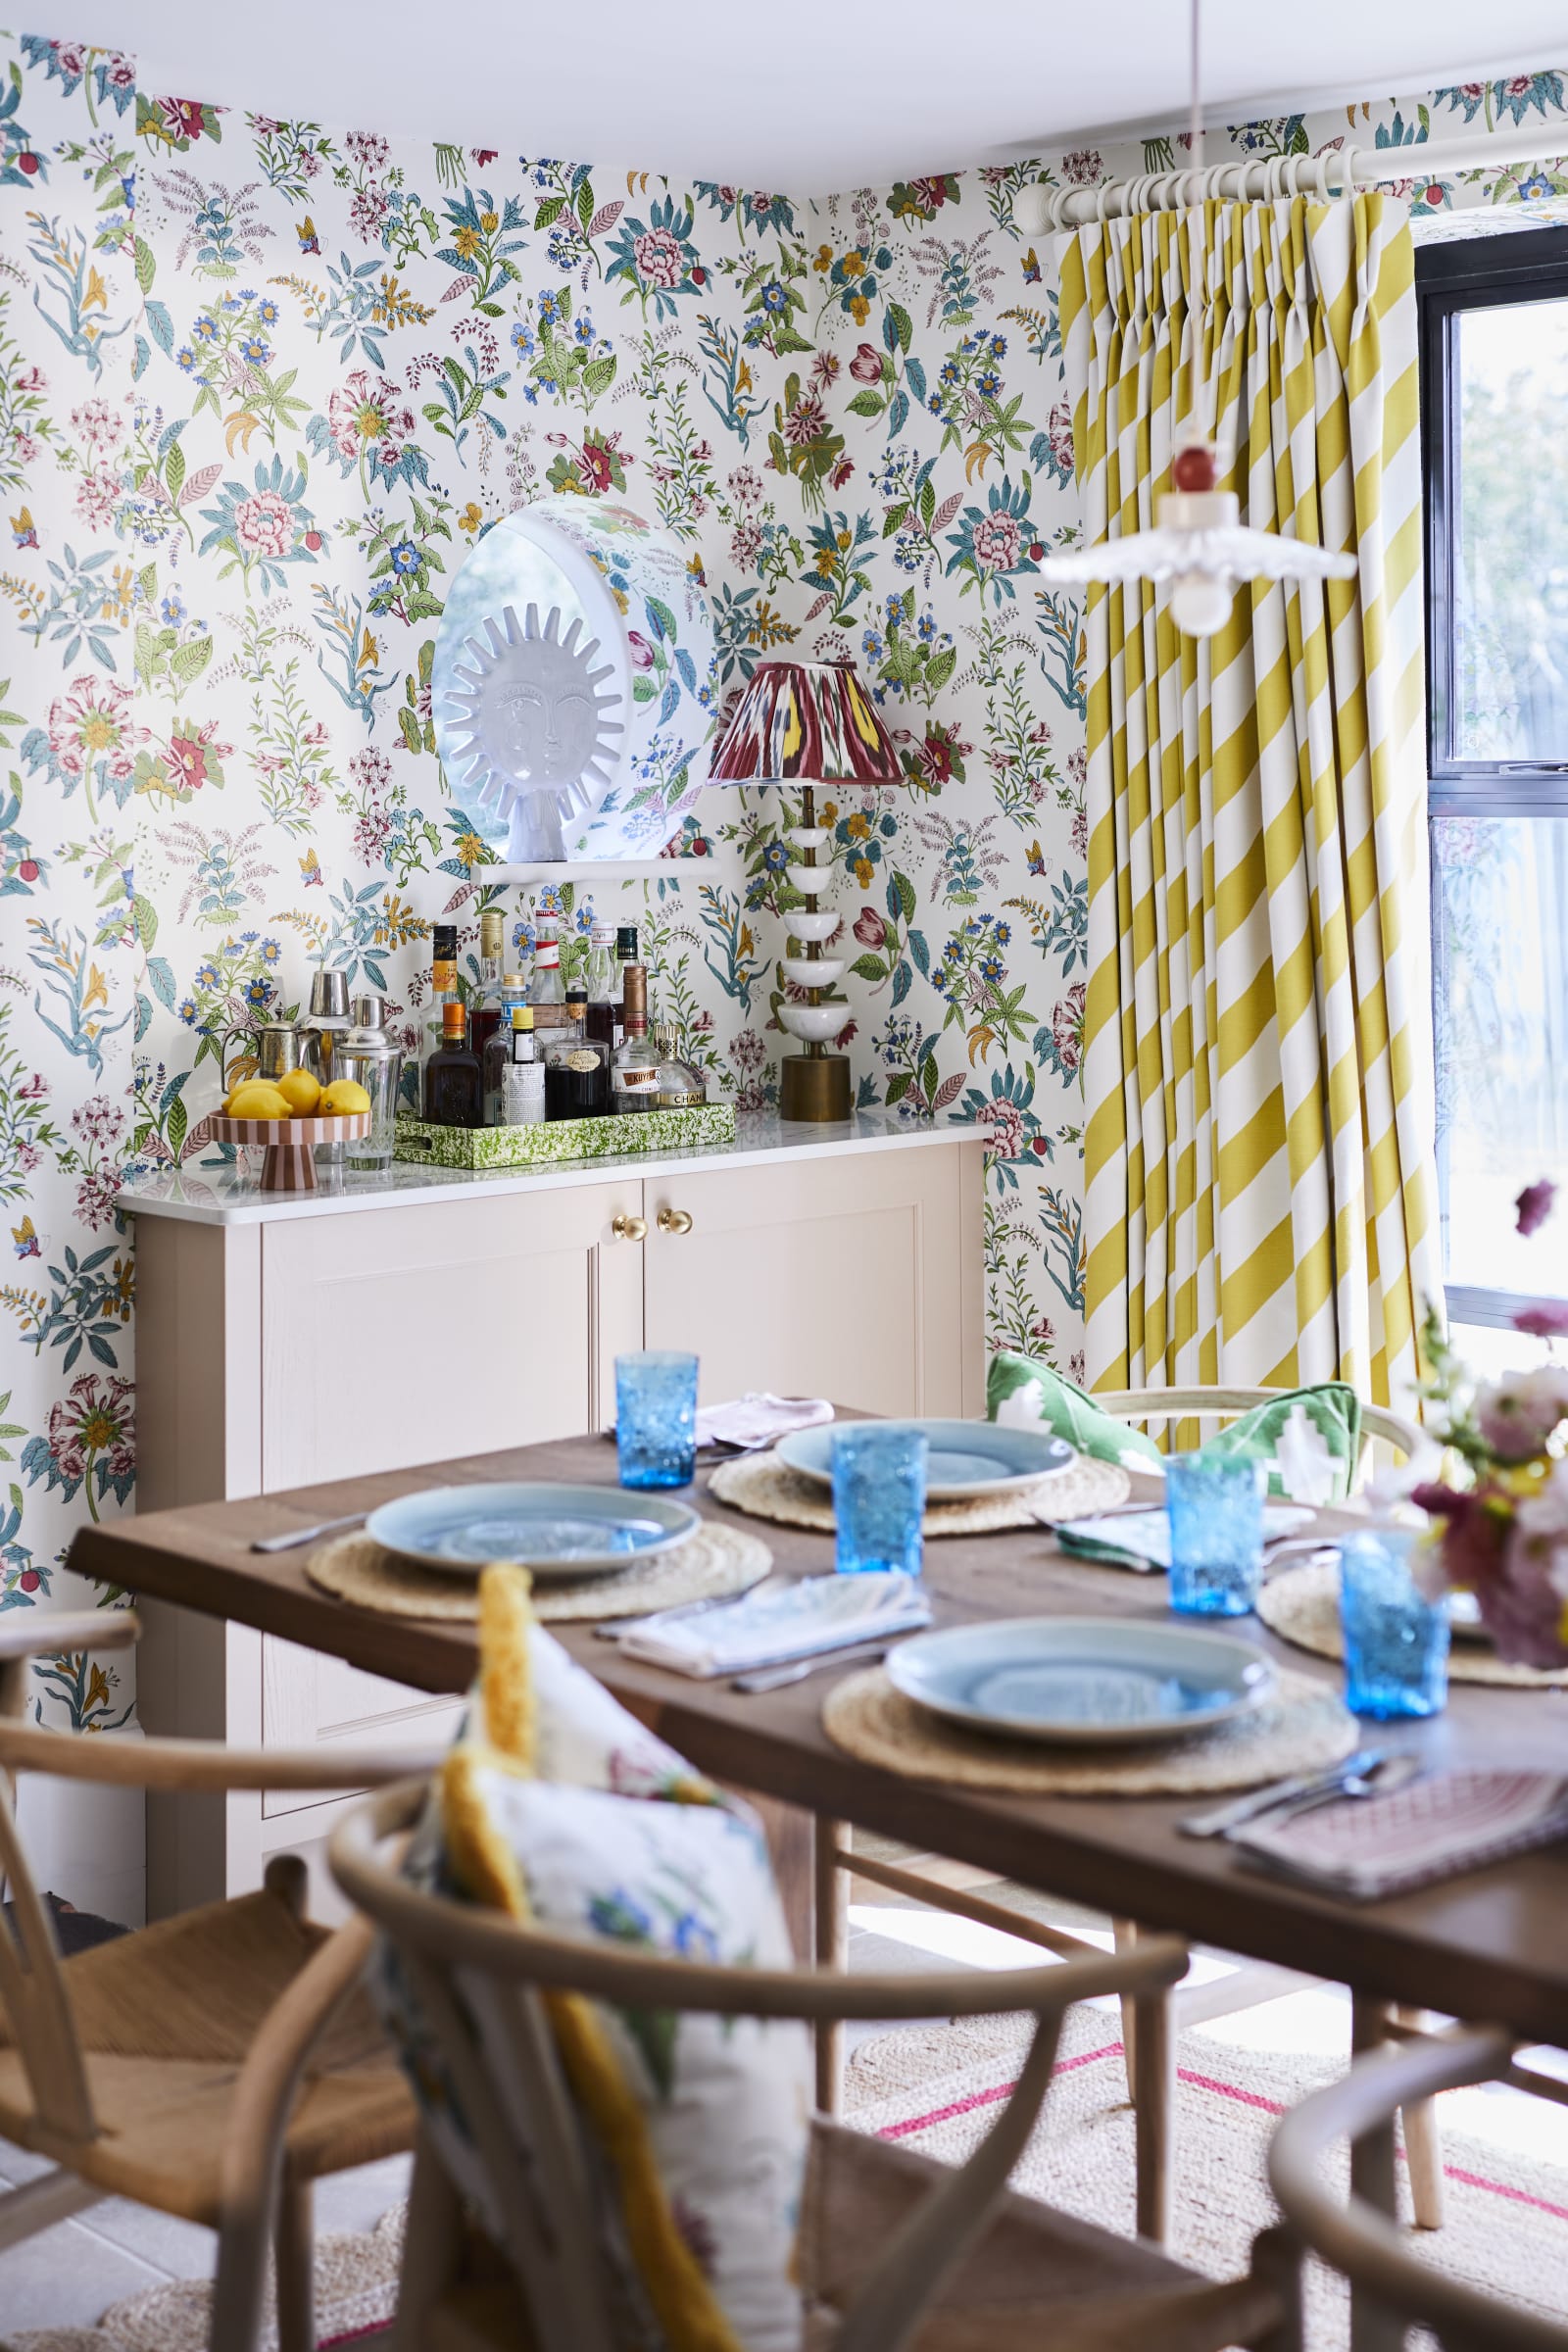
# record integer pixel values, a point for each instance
(1195, 468)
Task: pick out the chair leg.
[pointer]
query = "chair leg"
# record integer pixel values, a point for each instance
(39, 2204)
(432, 2243)
(831, 1930)
(1126, 1934)
(296, 2266)
(1423, 2148)
(241, 2280)
(1373, 2326)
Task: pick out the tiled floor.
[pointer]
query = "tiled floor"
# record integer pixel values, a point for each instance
(69, 2276)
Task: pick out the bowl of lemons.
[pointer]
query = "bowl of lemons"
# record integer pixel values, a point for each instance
(291, 1115)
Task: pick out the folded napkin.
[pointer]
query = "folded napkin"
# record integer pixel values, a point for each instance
(1436, 1828)
(779, 1622)
(758, 1419)
(1141, 1539)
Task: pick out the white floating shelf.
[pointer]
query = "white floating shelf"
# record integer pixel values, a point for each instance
(600, 870)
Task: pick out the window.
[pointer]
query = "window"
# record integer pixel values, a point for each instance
(1494, 407)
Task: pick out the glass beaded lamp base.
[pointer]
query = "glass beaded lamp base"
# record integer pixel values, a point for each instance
(565, 1139)
(813, 1087)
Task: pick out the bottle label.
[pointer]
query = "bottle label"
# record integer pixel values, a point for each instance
(443, 977)
(637, 1081)
(548, 954)
(582, 1060)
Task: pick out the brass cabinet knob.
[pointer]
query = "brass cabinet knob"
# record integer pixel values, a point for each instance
(630, 1229)
(674, 1220)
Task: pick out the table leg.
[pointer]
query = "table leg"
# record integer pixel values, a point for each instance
(1125, 1932)
(832, 1943)
(1373, 2326)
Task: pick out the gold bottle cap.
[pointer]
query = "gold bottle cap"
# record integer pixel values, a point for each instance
(522, 1017)
(492, 931)
(454, 1020)
(635, 993)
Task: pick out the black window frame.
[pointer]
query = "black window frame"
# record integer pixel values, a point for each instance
(1452, 278)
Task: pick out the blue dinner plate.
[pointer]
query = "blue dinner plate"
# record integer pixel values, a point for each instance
(964, 1460)
(1081, 1680)
(554, 1530)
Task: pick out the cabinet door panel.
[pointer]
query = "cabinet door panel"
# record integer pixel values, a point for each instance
(837, 1277)
(309, 1700)
(417, 1335)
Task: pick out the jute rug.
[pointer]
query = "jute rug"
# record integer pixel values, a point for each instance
(937, 2088)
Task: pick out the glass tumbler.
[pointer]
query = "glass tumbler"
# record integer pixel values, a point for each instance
(879, 1497)
(1396, 1640)
(1216, 1534)
(656, 1417)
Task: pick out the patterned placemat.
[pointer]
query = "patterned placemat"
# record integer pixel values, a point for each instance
(765, 1488)
(712, 1563)
(1304, 1726)
(1303, 1606)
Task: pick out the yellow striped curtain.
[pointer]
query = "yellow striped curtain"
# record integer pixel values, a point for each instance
(1259, 1204)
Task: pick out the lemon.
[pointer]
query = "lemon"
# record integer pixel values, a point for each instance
(343, 1098)
(258, 1098)
(300, 1091)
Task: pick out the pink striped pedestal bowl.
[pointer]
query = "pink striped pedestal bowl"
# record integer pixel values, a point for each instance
(290, 1163)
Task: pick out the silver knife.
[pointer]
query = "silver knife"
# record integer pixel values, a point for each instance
(1223, 1818)
(308, 1535)
(777, 1678)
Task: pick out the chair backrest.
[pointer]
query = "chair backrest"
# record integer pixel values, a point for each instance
(1378, 1423)
(1365, 2244)
(485, 1983)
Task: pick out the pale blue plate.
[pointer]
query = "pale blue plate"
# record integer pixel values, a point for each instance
(554, 1530)
(1081, 1680)
(964, 1458)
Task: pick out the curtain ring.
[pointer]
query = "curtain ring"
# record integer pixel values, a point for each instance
(1322, 190)
(1348, 158)
(1102, 193)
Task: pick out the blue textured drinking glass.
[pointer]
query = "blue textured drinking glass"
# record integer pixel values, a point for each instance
(1396, 1640)
(656, 1417)
(1215, 1504)
(878, 1497)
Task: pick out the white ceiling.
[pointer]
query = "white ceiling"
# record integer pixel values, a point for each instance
(804, 96)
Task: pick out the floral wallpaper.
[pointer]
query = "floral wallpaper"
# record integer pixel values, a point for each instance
(262, 384)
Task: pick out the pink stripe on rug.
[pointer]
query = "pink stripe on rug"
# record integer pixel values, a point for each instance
(989, 2098)
(1222, 2091)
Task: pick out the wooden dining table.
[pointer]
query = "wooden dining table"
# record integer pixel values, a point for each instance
(1491, 1945)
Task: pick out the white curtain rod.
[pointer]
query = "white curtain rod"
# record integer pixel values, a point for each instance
(1039, 210)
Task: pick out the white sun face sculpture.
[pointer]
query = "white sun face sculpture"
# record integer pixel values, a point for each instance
(572, 684)
(531, 727)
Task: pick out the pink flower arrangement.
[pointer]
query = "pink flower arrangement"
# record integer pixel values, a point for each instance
(1504, 1536)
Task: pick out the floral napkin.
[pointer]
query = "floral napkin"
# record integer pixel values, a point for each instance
(781, 1621)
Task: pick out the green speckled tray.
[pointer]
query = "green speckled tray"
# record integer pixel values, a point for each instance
(563, 1138)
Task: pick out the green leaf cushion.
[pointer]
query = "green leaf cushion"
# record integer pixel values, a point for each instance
(1024, 1391)
(1308, 1438)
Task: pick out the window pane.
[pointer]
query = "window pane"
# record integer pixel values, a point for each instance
(1491, 1353)
(1510, 588)
(1500, 969)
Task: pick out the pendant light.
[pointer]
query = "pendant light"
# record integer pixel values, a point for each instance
(1199, 544)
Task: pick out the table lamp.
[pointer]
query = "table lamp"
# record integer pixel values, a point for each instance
(809, 724)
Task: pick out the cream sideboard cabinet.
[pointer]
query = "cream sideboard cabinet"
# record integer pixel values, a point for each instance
(285, 1341)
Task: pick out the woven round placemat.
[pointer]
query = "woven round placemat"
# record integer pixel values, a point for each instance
(1303, 1606)
(1304, 1726)
(712, 1563)
(765, 1488)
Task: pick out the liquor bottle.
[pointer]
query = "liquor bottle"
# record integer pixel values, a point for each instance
(633, 1070)
(602, 1010)
(546, 987)
(443, 991)
(681, 1085)
(625, 954)
(576, 1066)
(454, 1089)
(496, 1051)
(484, 1010)
(522, 1082)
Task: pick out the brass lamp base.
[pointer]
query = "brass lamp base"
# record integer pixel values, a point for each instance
(814, 1087)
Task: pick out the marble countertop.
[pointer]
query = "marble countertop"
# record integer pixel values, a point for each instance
(225, 1196)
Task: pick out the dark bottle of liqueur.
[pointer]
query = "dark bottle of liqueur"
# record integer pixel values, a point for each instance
(453, 1086)
(576, 1067)
(626, 954)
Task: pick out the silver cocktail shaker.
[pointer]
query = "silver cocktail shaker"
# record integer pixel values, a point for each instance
(366, 1054)
(319, 1032)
